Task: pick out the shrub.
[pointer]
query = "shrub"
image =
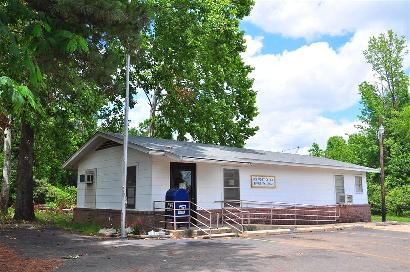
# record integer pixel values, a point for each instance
(138, 229)
(53, 196)
(373, 191)
(40, 191)
(398, 200)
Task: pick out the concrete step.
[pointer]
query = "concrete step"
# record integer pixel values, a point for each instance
(218, 235)
(256, 233)
(221, 230)
(194, 232)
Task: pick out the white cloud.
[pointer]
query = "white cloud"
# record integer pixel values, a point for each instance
(296, 130)
(296, 87)
(314, 18)
(139, 113)
(253, 45)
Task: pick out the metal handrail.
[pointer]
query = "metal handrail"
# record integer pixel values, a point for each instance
(269, 211)
(225, 217)
(206, 220)
(232, 226)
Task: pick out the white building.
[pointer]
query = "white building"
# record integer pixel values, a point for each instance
(211, 174)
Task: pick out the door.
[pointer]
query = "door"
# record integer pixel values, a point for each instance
(183, 175)
(340, 189)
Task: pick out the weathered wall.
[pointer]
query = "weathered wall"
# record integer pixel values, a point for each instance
(108, 163)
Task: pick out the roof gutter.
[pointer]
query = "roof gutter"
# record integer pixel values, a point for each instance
(247, 163)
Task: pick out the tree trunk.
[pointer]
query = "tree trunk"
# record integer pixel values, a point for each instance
(24, 183)
(5, 187)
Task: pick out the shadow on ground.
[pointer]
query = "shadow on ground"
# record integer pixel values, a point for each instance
(100, 254)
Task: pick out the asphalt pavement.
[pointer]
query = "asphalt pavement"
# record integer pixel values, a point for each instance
(346, 250)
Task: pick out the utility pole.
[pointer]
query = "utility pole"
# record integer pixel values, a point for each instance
(125, 143)
(381, 147)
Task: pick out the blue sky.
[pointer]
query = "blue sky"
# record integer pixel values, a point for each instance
(277, 43)
(308, 62)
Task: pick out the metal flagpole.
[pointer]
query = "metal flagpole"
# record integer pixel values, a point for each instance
(125, 144)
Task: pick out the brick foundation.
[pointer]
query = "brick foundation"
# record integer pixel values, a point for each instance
(112, 218)
(149, 220)
(354, 213)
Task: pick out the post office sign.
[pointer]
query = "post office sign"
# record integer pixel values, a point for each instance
(263, 181)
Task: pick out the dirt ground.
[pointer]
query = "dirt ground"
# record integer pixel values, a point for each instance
(364, 249)
(11, 262)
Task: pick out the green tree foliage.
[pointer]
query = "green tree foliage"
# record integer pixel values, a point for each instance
(14, 97)
(68, 54)
(192, 74)
(316, 151)
(398, 200)
(337, 149)
(388, 98)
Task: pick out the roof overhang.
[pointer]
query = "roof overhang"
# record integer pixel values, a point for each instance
(250, 163)
(98, 138)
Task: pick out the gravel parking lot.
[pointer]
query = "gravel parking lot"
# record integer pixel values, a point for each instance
(348, 250)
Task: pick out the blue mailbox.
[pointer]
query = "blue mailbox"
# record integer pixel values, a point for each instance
(180, 198)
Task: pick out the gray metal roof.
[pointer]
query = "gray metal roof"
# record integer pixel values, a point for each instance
(197, 151)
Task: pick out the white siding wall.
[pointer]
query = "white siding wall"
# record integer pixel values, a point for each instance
(209, 185)
(298, 185)
(160, 177)
(358, 198)
(293, 184)
(108, 182)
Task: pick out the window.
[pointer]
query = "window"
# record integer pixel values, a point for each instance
(131, 186)
(231, 185)
(359, 184)
(340, 189)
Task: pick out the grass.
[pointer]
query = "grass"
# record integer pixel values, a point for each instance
(391, 217)
(8, 217)
(58, 219)
(64, 220)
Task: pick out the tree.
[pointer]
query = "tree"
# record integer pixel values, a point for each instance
(68, 54)
(387, 97)
(316, 151)
(192, 74)
(389, 92)
(13, 98)
(337, 149)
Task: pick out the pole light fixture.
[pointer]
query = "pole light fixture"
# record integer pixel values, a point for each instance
(381, 131)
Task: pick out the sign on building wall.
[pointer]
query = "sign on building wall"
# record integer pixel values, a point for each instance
(263, 182)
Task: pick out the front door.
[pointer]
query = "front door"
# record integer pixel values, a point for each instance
(183, 175)
(340, 189)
